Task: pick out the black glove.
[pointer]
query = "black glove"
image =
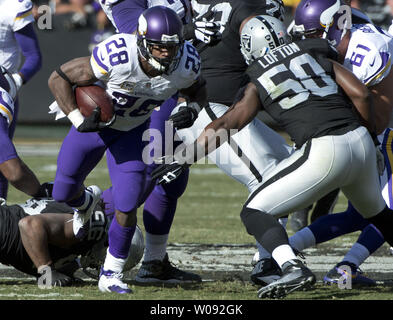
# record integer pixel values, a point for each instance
(50, 277)
(184, 118)
(45, 190)
(167, 172)
(93, 122)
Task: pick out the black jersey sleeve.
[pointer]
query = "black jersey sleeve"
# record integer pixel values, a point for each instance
(321, 47)
(245, 9)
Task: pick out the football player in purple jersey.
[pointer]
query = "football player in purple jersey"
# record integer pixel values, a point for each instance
(160, 205)
(17, 40)
(140, 72)
(12, 167)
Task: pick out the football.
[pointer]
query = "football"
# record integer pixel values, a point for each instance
(90, 97)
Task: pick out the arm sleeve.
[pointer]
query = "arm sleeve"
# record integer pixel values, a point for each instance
(28, 42)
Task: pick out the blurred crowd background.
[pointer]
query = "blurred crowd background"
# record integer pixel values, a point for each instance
(75, 26)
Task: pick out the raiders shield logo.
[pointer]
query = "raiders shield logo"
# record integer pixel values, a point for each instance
(246, 42)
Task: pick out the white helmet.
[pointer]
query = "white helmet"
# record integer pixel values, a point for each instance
(261, 34)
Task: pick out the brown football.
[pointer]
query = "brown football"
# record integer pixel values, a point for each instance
(90, 97)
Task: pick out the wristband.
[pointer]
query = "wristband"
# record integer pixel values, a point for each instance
(18, 80)
(76, 118)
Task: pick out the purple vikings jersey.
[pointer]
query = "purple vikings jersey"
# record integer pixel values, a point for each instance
(15, 15)
(369, 53)
(115, 61)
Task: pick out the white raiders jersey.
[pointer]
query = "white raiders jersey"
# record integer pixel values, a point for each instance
(253, 152)
(115, 62)
(6, 106)
(181, 7)
(15, 15)
(369, 54)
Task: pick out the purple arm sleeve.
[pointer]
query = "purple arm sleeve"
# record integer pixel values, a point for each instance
(28, 42)
(126, 13)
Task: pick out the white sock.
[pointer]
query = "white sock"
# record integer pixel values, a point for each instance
(302, 239)
(155, 246)
(113, 264)
(283, 254)
(357, 254)
(263, 253)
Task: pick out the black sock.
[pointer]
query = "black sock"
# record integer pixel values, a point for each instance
(265, 228)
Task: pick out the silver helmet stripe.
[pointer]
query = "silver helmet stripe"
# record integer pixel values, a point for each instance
(271, 30)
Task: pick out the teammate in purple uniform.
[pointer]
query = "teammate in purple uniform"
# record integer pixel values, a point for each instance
(140, 72)
(12, 168)
(17, 40)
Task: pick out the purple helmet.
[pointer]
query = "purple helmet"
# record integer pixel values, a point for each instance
(160, 26)
(329, 19)
(7, 82)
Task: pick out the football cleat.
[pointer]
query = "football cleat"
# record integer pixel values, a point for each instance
(265, 272)
(111, 282)
(337, 274)
(295, 276)
(157, 271)
(83, 216)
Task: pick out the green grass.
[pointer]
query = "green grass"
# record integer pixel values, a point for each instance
(208, 213)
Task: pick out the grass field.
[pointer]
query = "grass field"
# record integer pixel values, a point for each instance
(207, 214)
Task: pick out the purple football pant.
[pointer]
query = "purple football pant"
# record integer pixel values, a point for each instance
(81, 152)
(160, 205)
(7, 148)
(160, 200)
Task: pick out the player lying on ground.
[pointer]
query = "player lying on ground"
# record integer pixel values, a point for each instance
(38, 238)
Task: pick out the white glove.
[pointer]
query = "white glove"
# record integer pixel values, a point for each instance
(207, 32)
(18, 80)
(380, 161)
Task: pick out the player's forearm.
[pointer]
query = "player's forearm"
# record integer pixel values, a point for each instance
(211, 138)
(359, 95)
(75, 72)
(383, 101)
(20, 176)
